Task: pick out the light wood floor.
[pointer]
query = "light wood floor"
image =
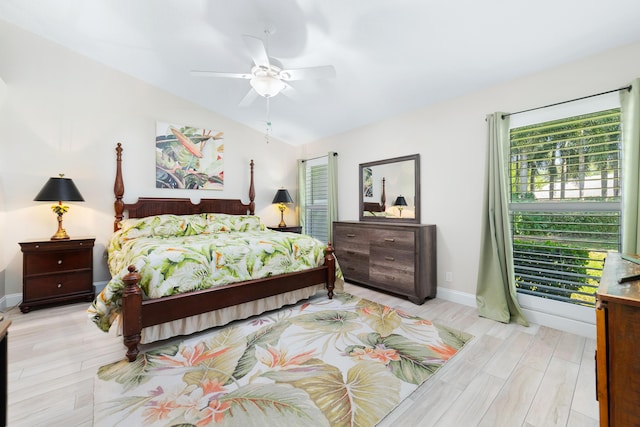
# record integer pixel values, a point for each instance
(507, 375)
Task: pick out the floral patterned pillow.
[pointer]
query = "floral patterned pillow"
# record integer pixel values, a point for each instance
(217, 222)
(163, 226)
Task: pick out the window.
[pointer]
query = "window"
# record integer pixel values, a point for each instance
(316, 212)
(565, 203)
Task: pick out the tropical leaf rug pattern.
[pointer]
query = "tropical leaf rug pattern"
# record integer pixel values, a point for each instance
(341, 362)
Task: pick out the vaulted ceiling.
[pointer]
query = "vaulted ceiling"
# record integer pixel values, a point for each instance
(389, 56)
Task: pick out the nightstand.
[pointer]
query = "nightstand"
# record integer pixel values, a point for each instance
(290, 229)
(56, 271)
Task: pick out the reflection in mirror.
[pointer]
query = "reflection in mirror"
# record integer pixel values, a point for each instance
(390, 189)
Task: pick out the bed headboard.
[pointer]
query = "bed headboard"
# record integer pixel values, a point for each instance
(149, 206)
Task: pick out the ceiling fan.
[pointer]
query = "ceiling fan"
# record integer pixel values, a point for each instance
(267, 76)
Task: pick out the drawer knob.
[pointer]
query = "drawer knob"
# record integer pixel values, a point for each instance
(59, 285)
(389, 239)
(59, 261)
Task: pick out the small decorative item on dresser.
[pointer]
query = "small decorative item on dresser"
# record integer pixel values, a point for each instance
(56, 271)
(282, 197)
(58, 190)
(289, 228)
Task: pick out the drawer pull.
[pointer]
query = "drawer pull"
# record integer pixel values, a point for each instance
(351, 235)
(389, 258)
(389, 239)
(351, 252)
(59, 285)
(59, 261)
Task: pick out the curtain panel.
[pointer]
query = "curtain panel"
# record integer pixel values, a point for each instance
(630, 116)
(495, 291)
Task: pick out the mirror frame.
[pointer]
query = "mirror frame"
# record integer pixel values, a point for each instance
(416, 173)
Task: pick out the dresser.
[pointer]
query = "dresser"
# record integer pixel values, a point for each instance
(618, 344)
(397, 258)
(56, 271)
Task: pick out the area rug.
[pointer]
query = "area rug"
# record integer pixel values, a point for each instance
(341, 362)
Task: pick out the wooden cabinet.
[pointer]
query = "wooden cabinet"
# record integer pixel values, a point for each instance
(618, 344)
(398, 258)
(56, 271)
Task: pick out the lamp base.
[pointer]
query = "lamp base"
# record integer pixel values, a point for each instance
(61, 234)
(282, 224)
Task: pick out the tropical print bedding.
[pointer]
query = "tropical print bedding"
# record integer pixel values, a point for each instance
(181, 253)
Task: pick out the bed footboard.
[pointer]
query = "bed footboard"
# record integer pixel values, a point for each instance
(138, 314)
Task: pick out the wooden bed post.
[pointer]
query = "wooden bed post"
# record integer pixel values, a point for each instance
(252, 191)
(118, 189)
(132, 312)
(330, 263)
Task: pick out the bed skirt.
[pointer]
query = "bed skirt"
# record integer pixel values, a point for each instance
(222, 316)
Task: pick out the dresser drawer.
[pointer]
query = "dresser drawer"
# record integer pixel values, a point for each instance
(53, 262)
(57, 285)
(394, 269)
(354, 265)
(393, 239)
(350, 239)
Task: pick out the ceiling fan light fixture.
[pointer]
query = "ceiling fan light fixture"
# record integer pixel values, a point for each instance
(267, 86)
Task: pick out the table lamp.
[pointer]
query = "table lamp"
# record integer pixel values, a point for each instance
(282, 197)
(400, 203)
(58, 190)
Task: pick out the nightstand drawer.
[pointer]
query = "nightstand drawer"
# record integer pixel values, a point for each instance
(57, 285)
(53, 262)
(56, 271)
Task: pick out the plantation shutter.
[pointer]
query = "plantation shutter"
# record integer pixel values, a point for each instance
(565, 204)
(316, 199)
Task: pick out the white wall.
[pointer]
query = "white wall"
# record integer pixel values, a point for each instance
(451, 140)
(64, 113)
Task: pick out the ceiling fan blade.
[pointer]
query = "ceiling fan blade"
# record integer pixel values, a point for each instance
(248, 98)
(320, 72)
(220, 74)
(257, 51)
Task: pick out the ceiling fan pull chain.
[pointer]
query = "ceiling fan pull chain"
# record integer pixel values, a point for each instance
(268, 130)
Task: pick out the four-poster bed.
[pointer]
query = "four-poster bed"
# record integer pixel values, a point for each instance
(184, 313)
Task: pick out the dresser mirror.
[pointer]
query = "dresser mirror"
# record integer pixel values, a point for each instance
(390, 190)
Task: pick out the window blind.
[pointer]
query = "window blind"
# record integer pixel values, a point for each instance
(565, 203)
(317, 196)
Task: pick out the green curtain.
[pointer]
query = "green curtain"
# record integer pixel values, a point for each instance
(302, 193)
(630, 112)
(496, 291)
(332, 207)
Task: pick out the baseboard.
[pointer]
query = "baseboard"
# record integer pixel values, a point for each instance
(9, 301)
(576, 323)
(13, 300)
(99, 286)
(456, 296)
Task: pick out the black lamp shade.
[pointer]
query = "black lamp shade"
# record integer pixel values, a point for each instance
(400, 201)
(282, 196)
(59, 190)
